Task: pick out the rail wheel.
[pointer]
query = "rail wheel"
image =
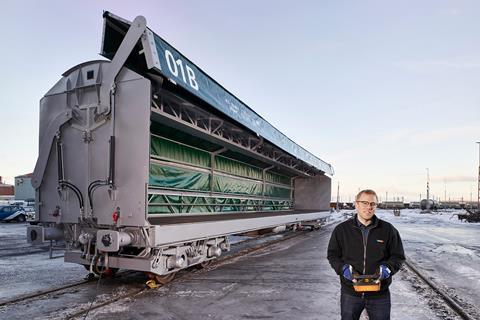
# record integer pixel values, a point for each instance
(204, 264)
(164, 279)
(159, 279)
(107, 273)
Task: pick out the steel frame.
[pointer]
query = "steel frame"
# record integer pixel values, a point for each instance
(210, 202)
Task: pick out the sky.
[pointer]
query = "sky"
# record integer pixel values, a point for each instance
(381, 90)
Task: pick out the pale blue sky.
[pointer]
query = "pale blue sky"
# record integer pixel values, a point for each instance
(379, 89)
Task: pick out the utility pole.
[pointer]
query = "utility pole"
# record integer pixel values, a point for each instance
(471, 201)
(386, 199)
(478, 195)
(445, 183)
(338, 196)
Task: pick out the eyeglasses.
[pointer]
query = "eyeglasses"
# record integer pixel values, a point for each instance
(366, 204)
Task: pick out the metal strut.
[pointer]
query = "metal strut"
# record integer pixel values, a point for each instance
(110, 181)
(107, 92)
(62, 183)
(134, 33)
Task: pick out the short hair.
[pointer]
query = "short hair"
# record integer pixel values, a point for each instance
(366, 191)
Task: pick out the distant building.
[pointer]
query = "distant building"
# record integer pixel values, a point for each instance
(23, 187)
(6, 190)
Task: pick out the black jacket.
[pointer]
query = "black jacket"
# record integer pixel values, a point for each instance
(383, 246)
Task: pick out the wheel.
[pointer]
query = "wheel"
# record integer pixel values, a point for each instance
(20, 218)
(110, 272)
(204, 264)
(164, 279)
(106, 273)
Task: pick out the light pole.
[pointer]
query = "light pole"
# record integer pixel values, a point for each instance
(427, 205)
(386, 199)
(428, 184)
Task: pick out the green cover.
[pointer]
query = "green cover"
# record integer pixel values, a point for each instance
(159, 204)
(277, 178)
(169, 150)
(237, 168)
(182, 168)
(276, 191)
(178, 178)
(231, 185)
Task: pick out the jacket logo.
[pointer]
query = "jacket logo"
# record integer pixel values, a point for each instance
(380, 241)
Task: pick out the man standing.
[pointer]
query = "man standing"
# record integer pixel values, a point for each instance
(365, 245)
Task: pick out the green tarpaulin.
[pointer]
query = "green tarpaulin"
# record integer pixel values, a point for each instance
(177, 166)
(178, 178)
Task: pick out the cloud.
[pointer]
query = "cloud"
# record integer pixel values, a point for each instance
(407, 137)
(447, 134)
(436, 65)
(429, 136)
(454, 179)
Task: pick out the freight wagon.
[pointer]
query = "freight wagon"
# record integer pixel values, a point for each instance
(147, 163)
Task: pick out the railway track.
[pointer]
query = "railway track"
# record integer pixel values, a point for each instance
(185, 274)
(458, 307)
(37, 294)
(59, 289)
(455, 306)
(24, 252)
(238, 250)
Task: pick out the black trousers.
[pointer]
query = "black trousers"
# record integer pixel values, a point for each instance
(378, 308)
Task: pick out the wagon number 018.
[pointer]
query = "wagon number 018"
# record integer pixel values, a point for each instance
(177, 65)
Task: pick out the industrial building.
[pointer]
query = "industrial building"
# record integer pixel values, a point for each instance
(6, 190)
(23, 187)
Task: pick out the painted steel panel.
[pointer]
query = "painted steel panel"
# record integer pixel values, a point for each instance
(86, 140)
(166, 234)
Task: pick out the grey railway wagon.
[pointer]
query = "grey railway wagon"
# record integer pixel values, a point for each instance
(147, 163)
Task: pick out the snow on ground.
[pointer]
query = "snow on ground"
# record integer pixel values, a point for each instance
(445, 249)
(22, 273)
(12, 229)
(440, 245)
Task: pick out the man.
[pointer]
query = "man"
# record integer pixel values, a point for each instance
(365, 245)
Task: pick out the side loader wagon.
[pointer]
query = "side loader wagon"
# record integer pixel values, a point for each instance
(147, 163)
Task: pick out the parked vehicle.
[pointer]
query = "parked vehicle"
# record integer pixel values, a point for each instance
(29, 213)
(12, 213)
